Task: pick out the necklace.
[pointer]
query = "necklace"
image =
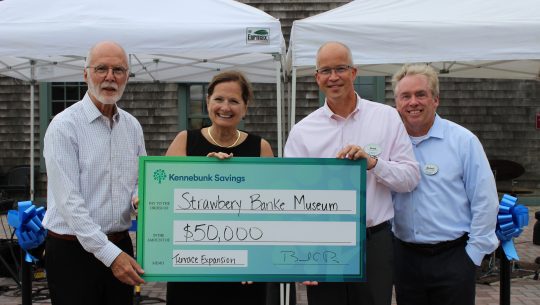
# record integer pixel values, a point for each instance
(209, 130)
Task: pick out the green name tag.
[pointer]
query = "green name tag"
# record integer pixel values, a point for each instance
(251, 219)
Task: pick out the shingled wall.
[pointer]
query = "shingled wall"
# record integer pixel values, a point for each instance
(502, 115)
(155, 106)
(15, 123)
(15, 126)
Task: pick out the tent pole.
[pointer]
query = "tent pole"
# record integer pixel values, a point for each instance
(288, 127)
(277, 60)
(293, 100)
(32, 97)
(283, 110)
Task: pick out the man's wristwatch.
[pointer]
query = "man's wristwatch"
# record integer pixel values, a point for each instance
(376, 161)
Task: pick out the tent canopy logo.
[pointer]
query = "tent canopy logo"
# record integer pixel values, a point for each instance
(159, 175)
(258, 35)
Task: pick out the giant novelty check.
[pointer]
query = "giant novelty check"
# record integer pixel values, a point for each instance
(251, 219)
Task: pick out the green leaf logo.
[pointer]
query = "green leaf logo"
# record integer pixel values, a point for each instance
(159, 175)
(257, 35)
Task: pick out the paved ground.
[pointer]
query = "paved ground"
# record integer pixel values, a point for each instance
(524, 290)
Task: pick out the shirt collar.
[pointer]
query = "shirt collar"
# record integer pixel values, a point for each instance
(437, 130)
(92, 112)
(331, 115)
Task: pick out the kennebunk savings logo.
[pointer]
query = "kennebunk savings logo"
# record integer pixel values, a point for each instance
(159, 175)
(258, 35)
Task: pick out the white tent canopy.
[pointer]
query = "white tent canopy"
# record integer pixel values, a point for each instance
(167, 40)
(459, 38)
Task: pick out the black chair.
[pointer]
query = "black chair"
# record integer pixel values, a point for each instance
(16, 184)
(18, 179)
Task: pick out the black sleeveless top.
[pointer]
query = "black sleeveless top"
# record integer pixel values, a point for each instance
(198, 145)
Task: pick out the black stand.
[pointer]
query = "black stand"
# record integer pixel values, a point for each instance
(505, 276)
(6, 264)
(26, 279)
(139, 299)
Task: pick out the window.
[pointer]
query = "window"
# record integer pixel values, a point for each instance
(192, 111)
(370, 88)
(63, 95)
(197, 114)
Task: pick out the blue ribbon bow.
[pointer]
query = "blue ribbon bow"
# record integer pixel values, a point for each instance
(511, 219)
(28, 228)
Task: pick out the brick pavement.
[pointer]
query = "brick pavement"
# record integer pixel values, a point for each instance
(524, 290)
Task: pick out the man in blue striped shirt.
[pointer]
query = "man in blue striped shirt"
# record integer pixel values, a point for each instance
(91, 151)
(446, 225)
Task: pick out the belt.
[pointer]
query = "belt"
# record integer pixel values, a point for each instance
(377, 228)
(113, 237)
(433, 249)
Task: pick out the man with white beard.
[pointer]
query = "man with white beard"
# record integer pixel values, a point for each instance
(91, 151)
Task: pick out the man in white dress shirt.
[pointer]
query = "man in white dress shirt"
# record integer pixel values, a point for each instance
(348, 126)
(91, 151)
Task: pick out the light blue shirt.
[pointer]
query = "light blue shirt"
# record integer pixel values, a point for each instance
(456, 193)
(92, 170)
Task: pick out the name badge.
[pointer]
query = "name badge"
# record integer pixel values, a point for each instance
(431, 169)
(373, 150)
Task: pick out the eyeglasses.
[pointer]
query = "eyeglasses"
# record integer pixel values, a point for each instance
(338, 69)
(103, 70)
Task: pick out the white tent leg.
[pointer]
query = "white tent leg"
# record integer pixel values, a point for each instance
(283, 111)
(288, 127)
(284, 293)
(278, 106)
(287, 293)
(281, 293)
(293, 100)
